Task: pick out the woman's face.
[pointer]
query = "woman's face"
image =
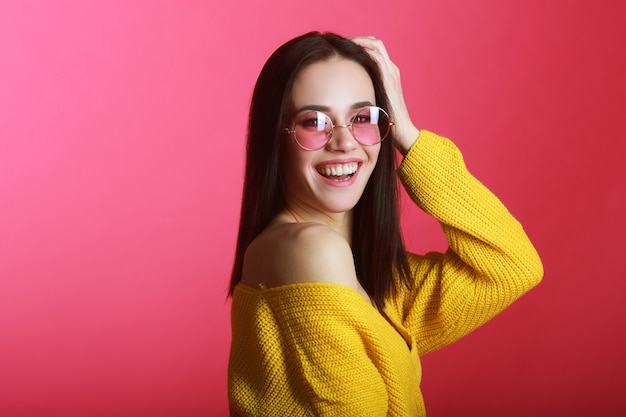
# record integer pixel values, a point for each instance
(336, 87)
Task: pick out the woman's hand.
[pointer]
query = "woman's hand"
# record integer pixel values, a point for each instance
(405, 131)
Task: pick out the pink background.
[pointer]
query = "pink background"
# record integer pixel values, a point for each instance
(122, 129)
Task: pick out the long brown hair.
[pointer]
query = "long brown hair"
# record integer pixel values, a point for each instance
(377, 243)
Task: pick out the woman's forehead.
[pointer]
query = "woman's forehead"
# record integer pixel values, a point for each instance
(334, 84)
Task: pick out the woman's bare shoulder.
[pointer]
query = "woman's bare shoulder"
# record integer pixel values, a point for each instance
(292, 253)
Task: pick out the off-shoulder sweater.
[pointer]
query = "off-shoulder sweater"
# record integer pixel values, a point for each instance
(320, 349)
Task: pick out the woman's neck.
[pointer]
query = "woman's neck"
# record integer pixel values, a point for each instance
(339, 222)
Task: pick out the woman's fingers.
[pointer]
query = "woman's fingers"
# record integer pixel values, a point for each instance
(378, 52)
(371, 43)
(406, 132)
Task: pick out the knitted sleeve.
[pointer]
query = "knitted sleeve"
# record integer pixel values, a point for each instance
(490, 261)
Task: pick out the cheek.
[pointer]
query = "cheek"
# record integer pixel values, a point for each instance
(295, 164)
(373, 152)
(373, 156)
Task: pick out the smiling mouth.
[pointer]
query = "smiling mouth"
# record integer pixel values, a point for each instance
(338, 172)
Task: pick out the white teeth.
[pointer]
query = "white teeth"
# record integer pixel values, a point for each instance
(338, 170)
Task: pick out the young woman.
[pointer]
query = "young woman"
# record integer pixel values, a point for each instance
(330, 313)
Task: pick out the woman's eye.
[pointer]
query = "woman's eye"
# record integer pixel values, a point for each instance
(361, 119)
(314, 121)
(309, 122)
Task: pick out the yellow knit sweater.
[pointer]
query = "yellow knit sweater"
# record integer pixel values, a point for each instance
(320, 349)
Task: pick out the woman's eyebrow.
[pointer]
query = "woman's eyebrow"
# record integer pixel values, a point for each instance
(318, 107)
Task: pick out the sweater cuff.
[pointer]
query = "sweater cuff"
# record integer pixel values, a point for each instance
(413, 157)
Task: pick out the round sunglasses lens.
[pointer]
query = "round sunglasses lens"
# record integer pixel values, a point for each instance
(370, 125)
(312, 129)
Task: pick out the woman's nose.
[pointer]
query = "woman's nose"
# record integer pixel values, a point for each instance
(342, 139)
